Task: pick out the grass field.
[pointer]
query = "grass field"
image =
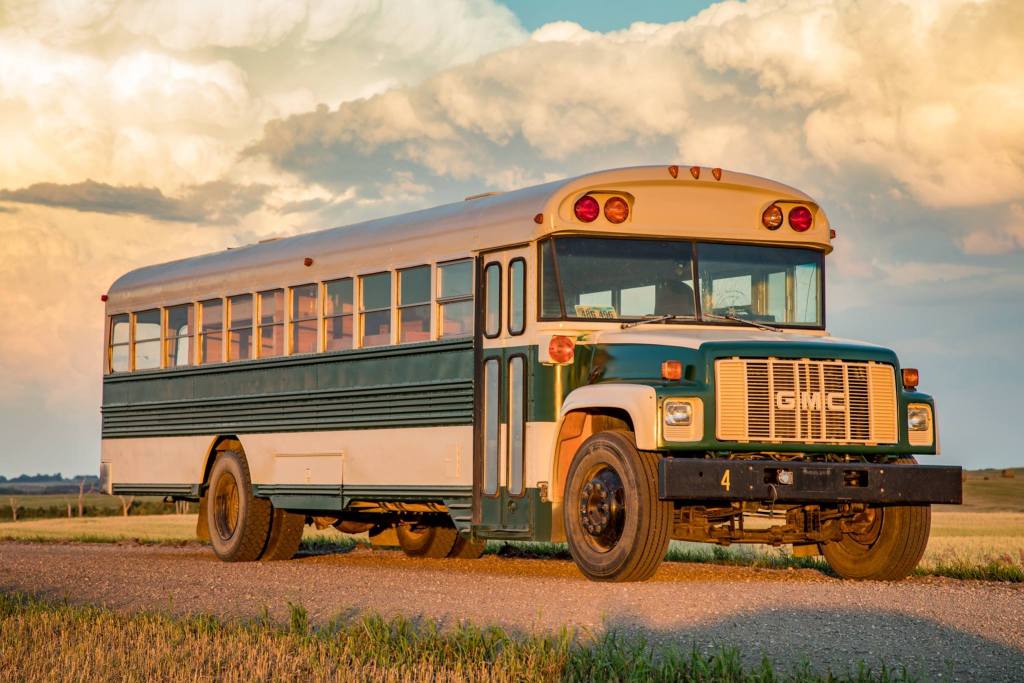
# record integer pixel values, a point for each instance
(975, 545)
(38, 638)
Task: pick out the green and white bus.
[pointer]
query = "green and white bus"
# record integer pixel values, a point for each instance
(613, 361)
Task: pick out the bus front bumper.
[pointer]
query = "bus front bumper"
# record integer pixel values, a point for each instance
(807, 482)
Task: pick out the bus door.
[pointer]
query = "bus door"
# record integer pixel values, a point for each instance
(501, 507)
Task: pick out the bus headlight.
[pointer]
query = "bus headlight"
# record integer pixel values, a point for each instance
(918, 418)
(678, 413)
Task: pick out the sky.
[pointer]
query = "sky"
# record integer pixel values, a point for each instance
(138, 131)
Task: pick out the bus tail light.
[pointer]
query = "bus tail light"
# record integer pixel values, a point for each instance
(911, 378)
(586, 209)
(616, 210)
(561, 349)
(772, 217)
(800, 218)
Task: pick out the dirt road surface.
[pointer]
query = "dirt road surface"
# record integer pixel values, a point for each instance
(939, 629)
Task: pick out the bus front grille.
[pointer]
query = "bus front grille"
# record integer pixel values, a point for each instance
(805, 401)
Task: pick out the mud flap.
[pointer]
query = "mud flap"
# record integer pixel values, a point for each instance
(202, 529)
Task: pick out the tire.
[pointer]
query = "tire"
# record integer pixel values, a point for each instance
(434, 541)
(239, 523)
(466, 548)
(625, 539)
(285, 536)
(891, 547)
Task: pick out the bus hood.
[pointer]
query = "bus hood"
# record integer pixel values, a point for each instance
(743, 341)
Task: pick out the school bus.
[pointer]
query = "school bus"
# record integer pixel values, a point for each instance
(612, 361)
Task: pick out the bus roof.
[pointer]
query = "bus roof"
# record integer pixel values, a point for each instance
(664, 201)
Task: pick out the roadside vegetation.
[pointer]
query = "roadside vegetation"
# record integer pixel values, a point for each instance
(101, 644)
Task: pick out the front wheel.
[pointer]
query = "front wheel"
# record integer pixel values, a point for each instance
(886, 544)
(616, 527)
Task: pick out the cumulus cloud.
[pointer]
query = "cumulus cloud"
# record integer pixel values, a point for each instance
(927, 98)
(998, 239)
(213, 202)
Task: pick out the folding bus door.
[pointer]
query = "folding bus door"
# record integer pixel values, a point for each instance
(501, 507)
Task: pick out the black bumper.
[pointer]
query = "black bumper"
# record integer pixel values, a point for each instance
(739, 480)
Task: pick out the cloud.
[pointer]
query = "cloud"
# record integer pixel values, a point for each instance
(1000, 239)
(213, 202)
(925, 98)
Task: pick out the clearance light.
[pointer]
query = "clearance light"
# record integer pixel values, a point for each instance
(673, 171)
(772, 217)
(561, 349)
(911, 378)
(695, 172)
(717, 173)
(800, 218)
(616, 210)
(587, 209)
(672, 370)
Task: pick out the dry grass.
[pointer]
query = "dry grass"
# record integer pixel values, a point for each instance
(41, 641)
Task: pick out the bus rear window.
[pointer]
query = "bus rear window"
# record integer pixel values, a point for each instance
(147, 339)
(271, 333)
(120, 338)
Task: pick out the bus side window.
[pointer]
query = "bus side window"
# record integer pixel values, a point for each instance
(516, 296)
(211, 331)
(240, 327)
(414, 304)
(271, 316)
(492, 299)
(338, 315)
(147, 339)
(455, 298)
(516, 424)
(120, 346)
(303, 322)
(178, 333)
(375, 318)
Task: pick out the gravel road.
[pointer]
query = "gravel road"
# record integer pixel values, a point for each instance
(939, 629)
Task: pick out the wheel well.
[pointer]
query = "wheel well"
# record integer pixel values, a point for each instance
(220, 444)
(577, 427)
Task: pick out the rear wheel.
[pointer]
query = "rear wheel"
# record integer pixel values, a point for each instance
(887, 544)
(239, 523)
(285, 535)
(426, 539)
(616, 527)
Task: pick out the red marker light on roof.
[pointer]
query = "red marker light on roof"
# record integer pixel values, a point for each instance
(800, 218)
(616, 210)
(587, 209)
(103, 297)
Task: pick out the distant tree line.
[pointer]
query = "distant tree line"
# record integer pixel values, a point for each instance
(46, 478)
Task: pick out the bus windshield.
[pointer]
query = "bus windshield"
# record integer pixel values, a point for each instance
(619, 279)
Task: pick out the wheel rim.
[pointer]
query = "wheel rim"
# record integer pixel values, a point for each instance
(225, 507)
(602, 509)
(867, 535)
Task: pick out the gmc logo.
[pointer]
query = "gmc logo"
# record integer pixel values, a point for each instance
(832, 401)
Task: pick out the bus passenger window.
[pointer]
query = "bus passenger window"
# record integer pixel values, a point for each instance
(178, 333)
(147, 340)
(516, 296)
(338, 315)
(240, 327)
(492, 424)
(211, 331)
(304, 319)
(414, 304)
(120, 355)
(516, 424)
(271, 332)
(492, 297)
(455, 298)
(376, 309)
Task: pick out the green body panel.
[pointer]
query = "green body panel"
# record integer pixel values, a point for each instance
(334, 498)
(426, 384)
(521, 518)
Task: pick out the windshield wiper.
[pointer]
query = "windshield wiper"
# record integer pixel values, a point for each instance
(738, 319)
(655, 319)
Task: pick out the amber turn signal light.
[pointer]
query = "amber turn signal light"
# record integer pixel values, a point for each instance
(911, 378)
(772, 217)
(561, 349)
(616, 210)
(671, 370)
